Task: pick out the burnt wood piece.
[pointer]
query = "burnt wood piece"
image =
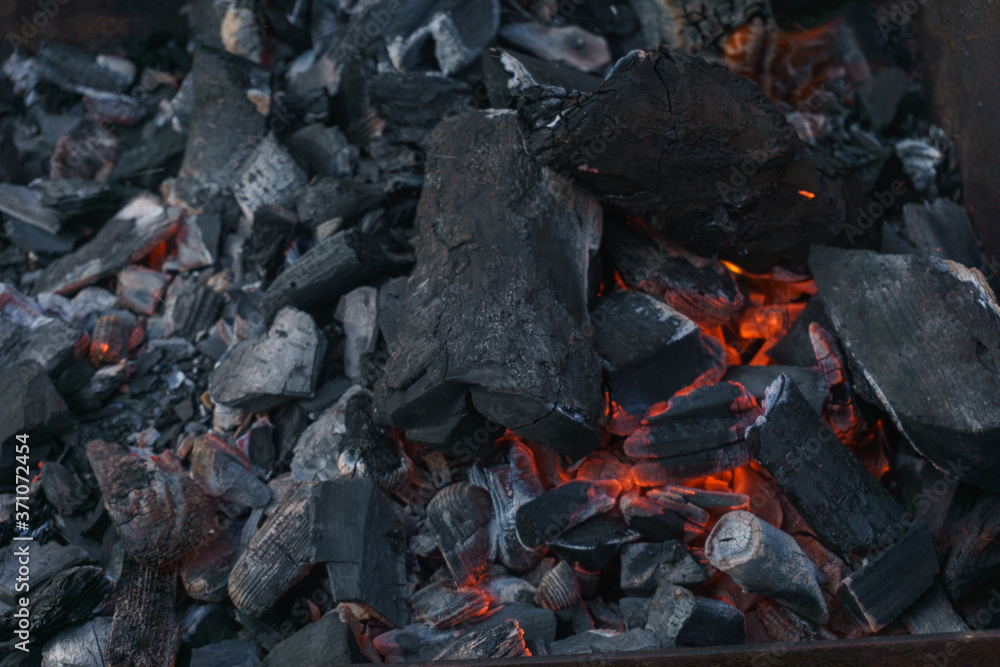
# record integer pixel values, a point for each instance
(649, 565)
(140, 289)
(505, 640)
(327, 642)
(559, 588)
(650, 351)
(942, 229)
(129, 236)
(679, 618)
(30, 403)
(698, 434)
(888, 582)
(26, 204)
(507, 74)
(458, 31)
(262, 373)
(63, 488)
(974, 538)
(360, 320)
(925, 336)
(190, 307)
(269, 176)
(784, 625)
(708, 500)
(26, 334)
(567, 45)
(657, 522)
(764, 560)
(459, 517)
(698, 151)
(548, 516)
(592, 544)
(796, 349)
(511, 477)
(825, 482)
(504, 241)
(221, 474)
(638, 639)
(47, 560)
(78, 645)
(145, 630)
(933, 613)
(327, 271)
(73, 596)
(755, 380)
(225, 124)
(701, 289)
(440, 605)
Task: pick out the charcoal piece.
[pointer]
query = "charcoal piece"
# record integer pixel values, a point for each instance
(548, 516)
(888, 582)
(128, 237)
(80, 646)
(701, 289)
(657, 522)
(602, 642)
(100, 386)
(206, 576)
(649, 350)
(269, 176)
(649, 565)
(691, 181)
(559, 588)
(709, 500)
(345, 442)
(942, 229)
(29, 238)
(972, 562)
(25, 204)
(141, 289)
(327, 198)
(545, 386)
(502, 641)
(507, 74)
(63, 488)
(225, 123)
(784, 625)
(262, 373)
(159, 512)
(412, 104)
(458, 517)
(511, 478)
(592, 544)
(26, 334)
(223, 475)
(567, 45)
(198, 241)
(30, 403)
(825, 482)
(325, 150)
(459, 32)
(109, 338)
(72, 596)
(146, 165)
(74, 70)
(328, 641)
(47, 560)
(933, 613)
(879, 96)
(326, 272)
(766, 561)
(755, 379)
(442, 606)
(227, 653)
(635, 611)
(360, 320)
(942, 397)
(795, 349)
(679, 618)
(145, 630)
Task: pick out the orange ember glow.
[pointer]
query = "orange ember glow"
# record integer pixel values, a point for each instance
(807, 194)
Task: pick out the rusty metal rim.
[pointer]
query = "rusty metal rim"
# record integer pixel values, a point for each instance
(950, 649)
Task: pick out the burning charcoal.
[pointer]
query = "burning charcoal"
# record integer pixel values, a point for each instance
(459, 32)
(145, 630)
(73, 596)
(887, 582)
(755, 380)
(839, 409)
(129, 236)
(189, 308)
(206, 577)
(414, 643)
(657, 522)
(709, 500)
(827, 484)
(502, 641)
(508, 590)
(79, 646)
(592, 544)
(360, 328)
(892, 334)
(441, 606)
(260, 374)
(602, 642)
(63, 488)
(646, 566)
(141, 289)
(701, 289)
(699, 434)
(796, 349)
(680, 619)
(109, 340)
(225, 122)
(784, 625)
(159, 512)
(268, 176)
(545, 387)
(47, 560)
(325, 150)
(458, 518)
(559, 588)
(673, 178)
(324, 643)
(326, 272)
(650, 351)
(511, 477)
(942, 229)
(635, 611)
(933, 613)
(220, 473)
(554, 512)
(567, 45)
(227, 653)
(764, 560)
(30, 403)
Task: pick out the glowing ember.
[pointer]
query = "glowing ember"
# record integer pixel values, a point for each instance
(807, 194)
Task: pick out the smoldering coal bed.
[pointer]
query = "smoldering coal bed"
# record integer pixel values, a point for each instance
(364, 331)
